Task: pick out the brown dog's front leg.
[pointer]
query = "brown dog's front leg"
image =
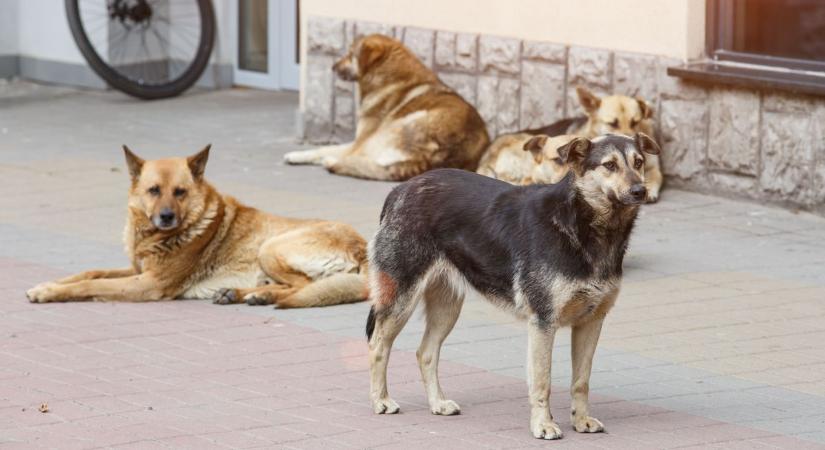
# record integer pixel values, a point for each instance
(539, 359)
(97, 274)
(136, 288)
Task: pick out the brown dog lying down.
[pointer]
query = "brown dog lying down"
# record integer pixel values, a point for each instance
(185, 239)
(524, 158)
(615, 114)
(408, 120)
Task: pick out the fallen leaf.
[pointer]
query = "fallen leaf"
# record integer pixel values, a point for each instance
(44, 407)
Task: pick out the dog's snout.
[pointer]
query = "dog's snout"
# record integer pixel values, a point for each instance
(167, 216)
(638, 191)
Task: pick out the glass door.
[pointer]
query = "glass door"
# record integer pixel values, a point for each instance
(265, 43)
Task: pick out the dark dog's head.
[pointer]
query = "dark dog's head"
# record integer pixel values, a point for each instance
(166, 190)
(617, 114)
(376, 60)
(610, 167)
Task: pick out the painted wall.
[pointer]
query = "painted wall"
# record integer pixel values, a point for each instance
(9, 42)
(669, 28)
(673, 28)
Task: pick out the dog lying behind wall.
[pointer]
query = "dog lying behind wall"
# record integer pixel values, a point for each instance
(616, 114)
(185, 239)
(408, 120)
(551, 254)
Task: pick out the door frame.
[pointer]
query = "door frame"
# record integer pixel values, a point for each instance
(283, 72)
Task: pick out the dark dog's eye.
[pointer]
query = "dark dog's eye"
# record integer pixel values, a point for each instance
(154, 190)
(638, 164)
(610, 165)
(179, 192)
(615, 123)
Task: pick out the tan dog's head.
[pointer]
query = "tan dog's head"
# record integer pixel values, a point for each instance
(549, 166)
(377, 56)
(610, 168)
(616, 114)
(165, 190)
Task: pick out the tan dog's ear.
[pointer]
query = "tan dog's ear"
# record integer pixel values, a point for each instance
(536, 146)
(647, 111)
(133, 162)
(369, 52)
(646, 144)
(197, 162)
(574, 151)
(589, 101)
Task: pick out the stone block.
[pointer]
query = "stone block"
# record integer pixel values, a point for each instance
(787, 156)
(445, 49)
(366, 28)
(542, 93)
(464, 84)
(635, 75)
(421, 42)
(674, 87)
(684, 129)
(318, 99)
(733, 140)
(325, 35)
(544, 51)
(498, 103)
(788, 103)
(466, 51)
(499, 55)
(592, 68)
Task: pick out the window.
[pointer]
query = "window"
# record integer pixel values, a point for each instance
(763, 43)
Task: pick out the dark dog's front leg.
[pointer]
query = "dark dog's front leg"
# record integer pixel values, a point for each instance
(539, 359)
(584, 340)
(136, 288)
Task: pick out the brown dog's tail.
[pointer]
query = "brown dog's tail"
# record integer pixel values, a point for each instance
(333, 290)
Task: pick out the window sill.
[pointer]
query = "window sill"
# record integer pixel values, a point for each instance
(750, 75)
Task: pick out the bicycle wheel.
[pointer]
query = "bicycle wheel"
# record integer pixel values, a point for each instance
(149, 49)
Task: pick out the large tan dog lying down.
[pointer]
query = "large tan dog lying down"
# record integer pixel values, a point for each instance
(524, 158)
(184, 239)
(408, 120)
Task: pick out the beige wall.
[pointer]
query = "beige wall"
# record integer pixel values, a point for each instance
(674, 28)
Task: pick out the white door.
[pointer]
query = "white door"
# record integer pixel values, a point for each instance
(265, 43)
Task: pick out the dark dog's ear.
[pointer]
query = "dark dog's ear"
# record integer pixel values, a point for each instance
(647, 111)
(536, 146)
(197, 162)
(588, 100)
(371, 49)
(574, 151)
(133, 162)
(646, 144)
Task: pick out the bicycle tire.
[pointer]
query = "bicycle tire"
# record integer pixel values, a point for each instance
(146, 91)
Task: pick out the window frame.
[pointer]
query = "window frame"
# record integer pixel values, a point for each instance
(719, 28)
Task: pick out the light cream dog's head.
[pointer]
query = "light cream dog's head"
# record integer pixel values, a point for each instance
(549, 168)
(618, 114)
(167, 190)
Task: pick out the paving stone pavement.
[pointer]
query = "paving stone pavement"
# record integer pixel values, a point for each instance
(716, 340)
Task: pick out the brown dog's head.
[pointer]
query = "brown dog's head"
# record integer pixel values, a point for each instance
(165, 190)
(377, 56)
(616, 114)
(610, 167)
(549, 166)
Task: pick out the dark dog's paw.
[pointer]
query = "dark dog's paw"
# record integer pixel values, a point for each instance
(225, 297)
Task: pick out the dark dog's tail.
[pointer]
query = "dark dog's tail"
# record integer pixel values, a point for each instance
(370, 323)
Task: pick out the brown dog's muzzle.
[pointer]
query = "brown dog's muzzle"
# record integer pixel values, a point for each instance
(343, 68)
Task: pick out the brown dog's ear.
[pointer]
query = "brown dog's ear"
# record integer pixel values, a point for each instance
(588, 100)
(197, 162)
(133, 162)
(536, 146)
(646, 144)
(369, 52)
(647, 111)
(574, 151)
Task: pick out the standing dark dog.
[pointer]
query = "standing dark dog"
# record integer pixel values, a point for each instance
(550, 253)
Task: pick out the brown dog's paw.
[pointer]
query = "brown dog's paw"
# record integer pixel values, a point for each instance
(225, 297)
(42, 293)
(258, 299)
